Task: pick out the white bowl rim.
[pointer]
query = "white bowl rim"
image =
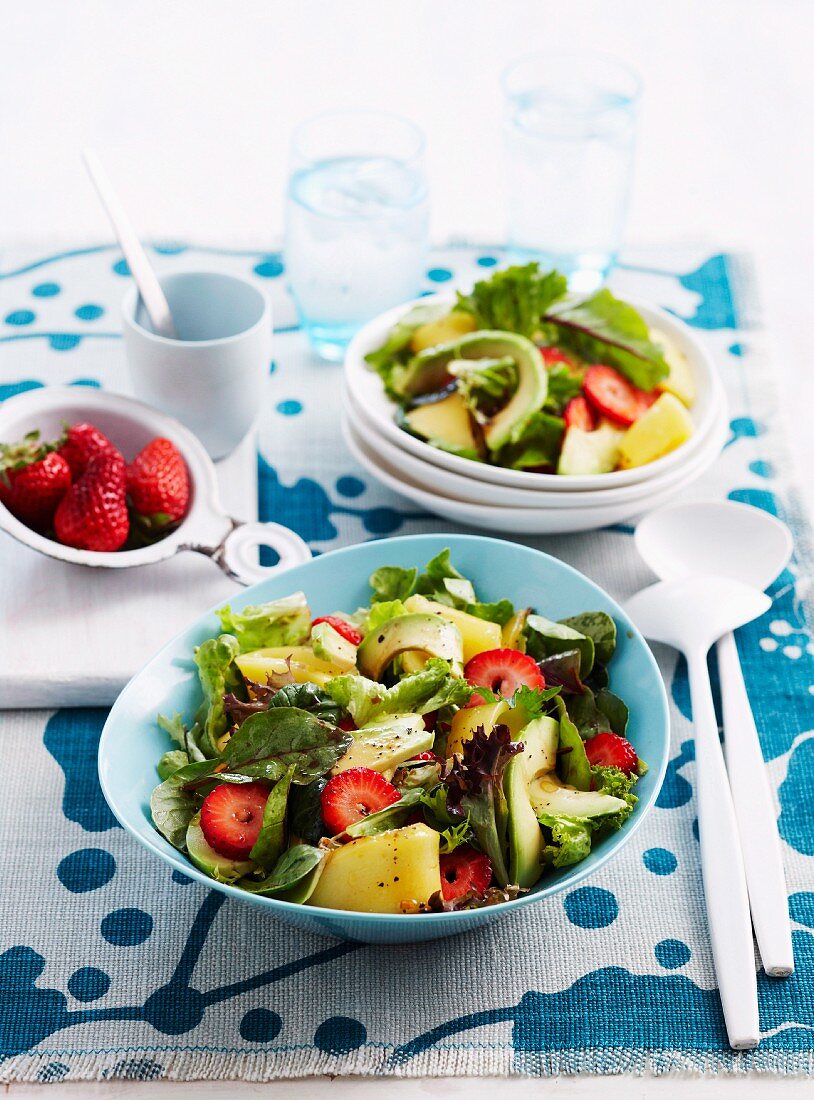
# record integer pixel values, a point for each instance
(363, 382)
(449, 482)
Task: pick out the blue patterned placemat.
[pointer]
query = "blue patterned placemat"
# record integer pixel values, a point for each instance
(112, 966)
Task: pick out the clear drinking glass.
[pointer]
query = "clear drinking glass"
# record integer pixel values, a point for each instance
(357, 222)
(570, 129)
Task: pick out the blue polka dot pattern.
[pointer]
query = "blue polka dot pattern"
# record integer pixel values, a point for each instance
(20, 317)
(46, 290)
(89, 312)
(659, 861)
(271, 268)
(672, 954)
(339, 1035)
(64, 341)
(439, 275)
(260, 1025)
(487, 261)
(88, 984)
(350, 486)
(170, 248)
(290, 407)
(591, 907)
(127, 927)
(381, 521)
(86, 869)
(761, 468)
(272, 367)
(181, 879)
(121, 267)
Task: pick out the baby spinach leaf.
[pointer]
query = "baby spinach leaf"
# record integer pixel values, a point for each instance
(305, 812)
(391, 817)
(562, 669)
(572, 762)
(544, 638)
(614, 709)
(537, 444)
(604, 329)
(172, 808)
(499, 612)
(267, 744)
(291, 869)
(599, 626)
(170, 762)
(308, 697)
(270, 842)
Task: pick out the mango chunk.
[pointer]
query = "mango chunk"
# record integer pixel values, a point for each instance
(304, 665)
(680, 381)
(478, 635)
(665, 426)
(390, 872)
(455, 324)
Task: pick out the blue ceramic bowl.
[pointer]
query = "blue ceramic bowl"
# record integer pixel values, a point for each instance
(132, 743)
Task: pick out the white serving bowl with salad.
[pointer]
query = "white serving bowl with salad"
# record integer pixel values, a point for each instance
(523, 385)
(488, 513)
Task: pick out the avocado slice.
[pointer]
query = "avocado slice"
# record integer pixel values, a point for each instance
(385, 744)
(206, 859)
(429, 370)
(588, 453)
(541, 739)
(446, 424)
(329, 645)
(425, 633)
(549, 796)
(525, 838)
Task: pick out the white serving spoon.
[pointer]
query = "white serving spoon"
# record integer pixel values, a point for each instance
(752, 546)
(691, 614)
(155, 301)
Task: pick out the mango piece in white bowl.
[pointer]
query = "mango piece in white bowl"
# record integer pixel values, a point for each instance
(665, 426)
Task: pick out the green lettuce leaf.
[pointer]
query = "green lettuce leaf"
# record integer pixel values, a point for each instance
(430, 689)
(603, 329)
(485, 384)
(172, 762)
(538, 443)
(280, 622)
(392, 354)
(383, 612)
(614, 781)
(270, 842)
(563, 384)
(391, 582)
(218, 677)
(515, 299)
(614, 709)
(570, 839)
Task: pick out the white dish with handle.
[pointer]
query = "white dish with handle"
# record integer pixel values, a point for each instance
(130, 425)
(367, 391)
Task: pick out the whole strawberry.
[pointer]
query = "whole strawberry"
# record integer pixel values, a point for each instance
(80, 444)
(93, 513)
(33, 480)
(158, 484)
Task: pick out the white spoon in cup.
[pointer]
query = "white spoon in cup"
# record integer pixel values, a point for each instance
(691, 614)
(754, 547)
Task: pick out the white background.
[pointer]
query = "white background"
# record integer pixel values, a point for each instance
(191, 103)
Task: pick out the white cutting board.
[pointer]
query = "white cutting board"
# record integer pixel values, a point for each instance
(72, 636)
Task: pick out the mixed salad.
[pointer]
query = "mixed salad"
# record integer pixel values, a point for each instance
(521, 374)
(430, 752)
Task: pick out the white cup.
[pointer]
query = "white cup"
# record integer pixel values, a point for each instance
(212, 378)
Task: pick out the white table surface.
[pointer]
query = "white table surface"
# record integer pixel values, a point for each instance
(191, 105)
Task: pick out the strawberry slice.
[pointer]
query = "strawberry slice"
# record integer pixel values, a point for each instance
(502, 671)
(353, 795)
(555, 355)
(341, 626)
(579, 414)
(613, 396)
(463, 872)
(609, 750)
(232, 816)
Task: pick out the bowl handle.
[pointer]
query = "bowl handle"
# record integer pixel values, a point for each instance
(237, 557)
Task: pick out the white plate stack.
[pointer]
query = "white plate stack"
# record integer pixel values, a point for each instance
(517, 501)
